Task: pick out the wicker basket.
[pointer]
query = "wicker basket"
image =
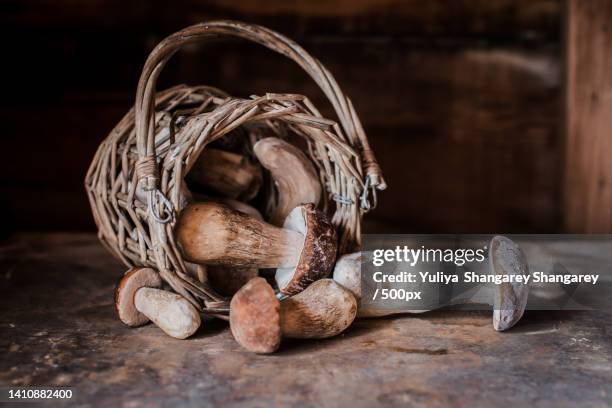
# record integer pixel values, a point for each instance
(158, 141)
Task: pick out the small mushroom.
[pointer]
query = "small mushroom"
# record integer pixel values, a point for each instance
(294, 175)
(258, 320)
(138, 299)
(508, 299)
(229, 174)
(303, 251)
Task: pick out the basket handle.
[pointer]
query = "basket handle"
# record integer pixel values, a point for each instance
(145, 96)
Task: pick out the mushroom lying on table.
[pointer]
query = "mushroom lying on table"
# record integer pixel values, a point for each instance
(508, 299)
(138, 299)
(258, 320)
(303, 251)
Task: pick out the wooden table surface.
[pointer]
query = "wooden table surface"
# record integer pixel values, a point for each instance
(58, 327)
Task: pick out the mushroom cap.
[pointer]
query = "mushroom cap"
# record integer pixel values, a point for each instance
(255, 317)
(125, 291)
(510, 299)
(318, 251)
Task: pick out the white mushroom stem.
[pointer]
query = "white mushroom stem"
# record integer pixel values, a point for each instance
(294, 175)
(211, 233)
(347, 273)
(170, 312)
(227, 280)
(482, 294)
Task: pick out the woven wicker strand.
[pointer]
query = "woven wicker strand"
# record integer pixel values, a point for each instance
(135, 182)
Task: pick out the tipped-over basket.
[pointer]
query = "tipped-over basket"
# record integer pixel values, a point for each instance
(135, 180)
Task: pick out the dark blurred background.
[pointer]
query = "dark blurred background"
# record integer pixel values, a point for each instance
(462, 99)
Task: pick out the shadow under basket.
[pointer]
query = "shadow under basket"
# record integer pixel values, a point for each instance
(136, 182)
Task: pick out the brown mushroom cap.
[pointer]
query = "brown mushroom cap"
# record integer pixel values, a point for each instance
(510, 299)
(133, 280)
(255, 317)
(318, 250)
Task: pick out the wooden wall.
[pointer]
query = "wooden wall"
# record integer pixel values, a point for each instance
(461, 99)
(588, 172)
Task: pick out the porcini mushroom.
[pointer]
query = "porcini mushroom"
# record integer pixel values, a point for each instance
(255, 317)
(508, 299)
(138, 299)
(322, 310)
(258, 320)
(303, 251)
(229, 174)
(294, 175)
(227, 280)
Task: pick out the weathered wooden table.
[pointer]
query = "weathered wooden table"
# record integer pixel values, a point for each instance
(58, 327)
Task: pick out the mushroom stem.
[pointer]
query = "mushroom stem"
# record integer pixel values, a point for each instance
(229, 174)
(170, 312)
(322, 310)
(347, 272)
(211, 233)
(294, 175)
(228, 280)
